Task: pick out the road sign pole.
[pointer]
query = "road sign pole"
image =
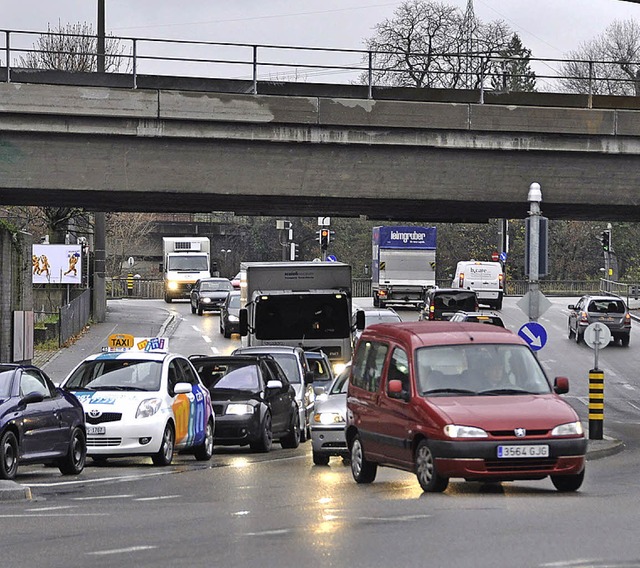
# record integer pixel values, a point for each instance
(534, 197)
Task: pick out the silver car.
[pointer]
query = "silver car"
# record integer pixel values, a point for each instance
(329, 420)
(609, 310)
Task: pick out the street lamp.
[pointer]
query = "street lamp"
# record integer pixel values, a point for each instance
(534, 197)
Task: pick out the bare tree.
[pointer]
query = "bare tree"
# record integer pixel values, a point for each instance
(73, 47)
(609, 64)
(432, 44)
(125, 233)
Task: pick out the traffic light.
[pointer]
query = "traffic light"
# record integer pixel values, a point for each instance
(605, 240)
(325, 237)
(294, 251)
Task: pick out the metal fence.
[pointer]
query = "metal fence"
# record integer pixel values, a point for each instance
(74, 316)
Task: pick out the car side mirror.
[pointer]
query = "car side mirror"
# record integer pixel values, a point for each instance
(360, 320)
(561, 385)
(309, 377)
(243, 322)
(32, 397)
(571, 307)
(182, 388)
(274, 384)
(395, 390)
(318, 391)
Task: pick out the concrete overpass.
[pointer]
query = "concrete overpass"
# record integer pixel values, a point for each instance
(297, 149)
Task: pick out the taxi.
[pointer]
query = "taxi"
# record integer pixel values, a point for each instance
(140, 399)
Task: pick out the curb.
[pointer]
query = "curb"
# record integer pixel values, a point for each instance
(597, 449)
(12, 491)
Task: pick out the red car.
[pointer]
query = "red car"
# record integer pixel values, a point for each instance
(459, 400)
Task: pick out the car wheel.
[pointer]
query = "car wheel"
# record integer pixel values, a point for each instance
(578, 336)
(165, 454)
(73, 462)
(498, 305)
(204, 451)
(363, 471)
(320, 459)
(263, 444)
(292, 439)
(226, 333)
(426, 472)
(221, 328)
(569, 331)
(376, 302)
(566, 483)
(8, 456)
(624, 340)
(167, 298)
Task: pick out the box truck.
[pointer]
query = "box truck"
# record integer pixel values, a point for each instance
(403, 265)
(185, 260)
(297, 303)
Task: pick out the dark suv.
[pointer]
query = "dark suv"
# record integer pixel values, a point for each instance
(609, 310)
(442, 303)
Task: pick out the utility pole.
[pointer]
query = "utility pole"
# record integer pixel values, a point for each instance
(534, 198)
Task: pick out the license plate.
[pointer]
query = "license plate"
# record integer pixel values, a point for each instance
(93, 430)
(538, 451)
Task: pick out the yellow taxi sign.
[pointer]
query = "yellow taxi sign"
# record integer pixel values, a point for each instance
(121, 341)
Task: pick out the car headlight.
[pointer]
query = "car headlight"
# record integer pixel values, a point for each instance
(456, 431)
(172, 285)
(570, 429)
(328, 418)
(338, 368)
(148, 407)
(239, 409)
(205, 300)
(233, 318)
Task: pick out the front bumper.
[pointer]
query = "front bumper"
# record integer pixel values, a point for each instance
(329, 440)
(237, 430)
(478, 460)
(124, 438)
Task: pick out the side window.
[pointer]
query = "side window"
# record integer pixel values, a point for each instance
(399, 368)
(32, 381)
(368, 364)
(278, 373)
(174, 376)
(188, 374)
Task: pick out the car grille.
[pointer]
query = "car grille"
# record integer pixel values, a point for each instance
(104, 417)
(103, 442)
(521, 464)
(510, 435)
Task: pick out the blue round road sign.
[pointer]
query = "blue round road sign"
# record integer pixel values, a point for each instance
(331, 258)
(534, 334)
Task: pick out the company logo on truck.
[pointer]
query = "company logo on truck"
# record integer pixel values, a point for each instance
(412, 237)
(299, 275)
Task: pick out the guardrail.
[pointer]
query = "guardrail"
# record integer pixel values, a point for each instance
(133, 57)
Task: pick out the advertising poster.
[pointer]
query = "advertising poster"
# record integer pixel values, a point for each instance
(56, 264)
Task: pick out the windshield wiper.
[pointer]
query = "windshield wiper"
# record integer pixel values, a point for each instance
(449, 390)
(504, 391)
(115, 388)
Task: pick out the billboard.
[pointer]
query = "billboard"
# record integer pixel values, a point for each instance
(56, 264)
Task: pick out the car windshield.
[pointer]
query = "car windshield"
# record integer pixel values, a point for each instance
(193, 263)
(479, 369)
(116, 374)
(5, 382)
(240, 375)
(215, 286)
(370, 319)
(234, 301)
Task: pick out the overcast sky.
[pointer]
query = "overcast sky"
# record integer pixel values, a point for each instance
(550, 28)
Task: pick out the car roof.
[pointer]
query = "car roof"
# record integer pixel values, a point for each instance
(600, 297)
(427, 333)
(316, 355)
(221, 358)
(269, 349)
(214, 279)
(132, 355)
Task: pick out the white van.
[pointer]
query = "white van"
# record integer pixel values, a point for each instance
(486, 278)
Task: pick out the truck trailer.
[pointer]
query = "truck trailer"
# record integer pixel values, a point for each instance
(403, 266)
(305, 304)
(185, 260)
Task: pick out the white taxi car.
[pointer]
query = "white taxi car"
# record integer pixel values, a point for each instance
(139, 399)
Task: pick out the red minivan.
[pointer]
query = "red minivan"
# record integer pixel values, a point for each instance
(459, 400)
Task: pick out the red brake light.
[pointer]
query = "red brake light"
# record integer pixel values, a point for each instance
(461, 280)
(501, 280)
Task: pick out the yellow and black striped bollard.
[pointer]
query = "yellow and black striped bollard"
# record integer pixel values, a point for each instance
(596, 404)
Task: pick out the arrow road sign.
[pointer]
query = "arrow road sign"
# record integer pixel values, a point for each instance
(534, 334)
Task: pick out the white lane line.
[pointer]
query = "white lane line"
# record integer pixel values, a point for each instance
(39, 510)
(120, 550)
(206, 338)
(268, 533)
(195, 328)
(158, 498)
(215, 350)
(54, 515)
(102, 497)
(101, 479)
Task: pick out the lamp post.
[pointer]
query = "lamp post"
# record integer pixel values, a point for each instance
(225, 252)
(534, 198)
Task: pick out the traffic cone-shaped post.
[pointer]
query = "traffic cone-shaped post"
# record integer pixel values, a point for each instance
(596, 404)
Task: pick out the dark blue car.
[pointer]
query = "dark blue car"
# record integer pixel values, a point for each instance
(38, 422)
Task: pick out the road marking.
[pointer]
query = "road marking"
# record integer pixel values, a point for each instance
(215, 350)
(102, 497)
(101, 479)
(158, 498)
(195, 328)
(74, 514)
(120, 550)
(51, 508)
(206, 338)
(269, 533)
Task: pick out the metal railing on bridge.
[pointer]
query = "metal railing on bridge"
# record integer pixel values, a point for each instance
(130, 59)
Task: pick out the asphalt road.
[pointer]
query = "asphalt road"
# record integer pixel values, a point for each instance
(278, 509)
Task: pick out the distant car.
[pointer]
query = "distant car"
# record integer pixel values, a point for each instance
(375, 315)
(329, 420)
(38, 422)
(235, 281)
(442, 303)
(209, 294)
(145, 402)
(229, 320)
(612, 311)
(478, 317)
(321, 368)
(253, 401)
(296, 367)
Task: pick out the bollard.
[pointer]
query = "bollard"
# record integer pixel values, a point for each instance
(596, 404)
(130, 284)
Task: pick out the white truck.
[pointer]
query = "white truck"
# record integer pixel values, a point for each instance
(305, 304)
(486, 278)
(403, 265)
(185, 260)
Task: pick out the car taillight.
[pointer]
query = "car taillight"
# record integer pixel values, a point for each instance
(501, 280)
(382, 292)
(627, 319)
(461, 281)
(432, 314)
(583, 317)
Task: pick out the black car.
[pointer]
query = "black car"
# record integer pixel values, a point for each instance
(442, 303)
(253, 401)
(38, 422)
(612, 311)
(209, 294)
(229, 320)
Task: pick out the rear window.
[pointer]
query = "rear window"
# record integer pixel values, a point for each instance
(454, 301)
(607, 306)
